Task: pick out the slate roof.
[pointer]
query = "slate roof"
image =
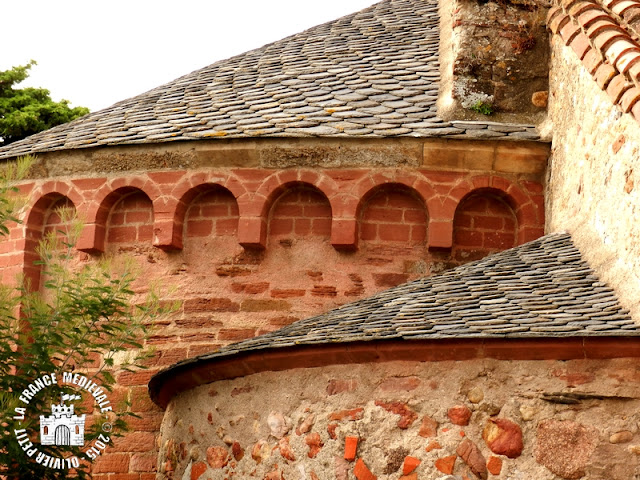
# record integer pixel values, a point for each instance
(604, 35)
(540, 289)
(374, 73)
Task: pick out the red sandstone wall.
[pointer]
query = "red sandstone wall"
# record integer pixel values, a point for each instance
(313, 240)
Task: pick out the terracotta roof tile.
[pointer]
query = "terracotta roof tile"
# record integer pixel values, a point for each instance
(610, 51)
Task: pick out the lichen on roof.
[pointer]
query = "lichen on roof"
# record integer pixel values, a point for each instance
(374, 73)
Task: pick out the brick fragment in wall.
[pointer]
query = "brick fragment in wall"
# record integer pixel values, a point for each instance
(407, 416)
(362, 472)
(350, 448)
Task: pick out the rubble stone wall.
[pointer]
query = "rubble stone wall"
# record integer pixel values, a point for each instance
(483, 418)
(592, 173)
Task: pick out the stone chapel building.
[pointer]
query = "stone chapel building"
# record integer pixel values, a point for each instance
(405, 243)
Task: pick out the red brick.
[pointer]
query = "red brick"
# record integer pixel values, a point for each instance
(353, 414)
(467, 238)
(412, 215)
(321, 226)
(250, 288)
(194, 305)
(350, 447)
(111, 463)
(168, 178)
(390, 279)
(635, 111)
(400, 384)
(149, 422)
(410, 464)
(315, 444)
(127, 379)
(197, 470)
(143, 462)
(226, 226)
(213, 209)
(288, 210)
(145, 233)
(236, 333)
(287, 293)
(280, 226)
(89, 184)
(142, 216)
(324, 291)
(259, 305)
(446, 464)
(302, 227)
(396, 199)
(317, 210)
(407, 416)
(393, 232)
(499, 240)
(589, 16)
(368, 231)
(362, 472)
(336, 386)
(122, 234)
(434, 445)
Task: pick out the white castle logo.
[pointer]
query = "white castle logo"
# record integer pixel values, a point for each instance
(62, 427)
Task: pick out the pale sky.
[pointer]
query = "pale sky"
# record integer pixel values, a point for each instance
(95, 53)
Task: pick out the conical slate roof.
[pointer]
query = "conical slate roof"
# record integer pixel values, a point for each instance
(543, 288)
(374, 73)
(542, 291)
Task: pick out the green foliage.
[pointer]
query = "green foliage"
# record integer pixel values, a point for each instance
(85, 319)
(482, 107)
(25, 111)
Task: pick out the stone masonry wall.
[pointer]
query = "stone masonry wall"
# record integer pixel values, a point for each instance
(593, 169)
(494, 60)
(516, 420)
(251, 248)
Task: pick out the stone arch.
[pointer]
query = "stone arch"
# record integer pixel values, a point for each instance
(485, 222)
(346, 233)
(255, 207)
(207, 209)
(393, 212)
(530, 218)
(299, 209)
(126, 216)
(170, 211)
(97, 214)
(42, 218)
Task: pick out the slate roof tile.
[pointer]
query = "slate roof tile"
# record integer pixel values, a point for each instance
(384, 57)
(540, 289)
